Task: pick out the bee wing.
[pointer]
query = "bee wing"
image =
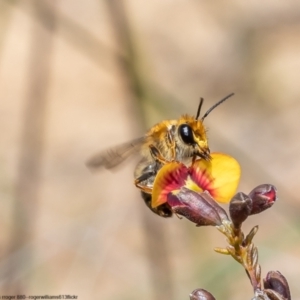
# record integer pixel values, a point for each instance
(114, 156)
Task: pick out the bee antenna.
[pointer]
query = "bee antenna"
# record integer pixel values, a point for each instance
(214, 106)
(199, 108)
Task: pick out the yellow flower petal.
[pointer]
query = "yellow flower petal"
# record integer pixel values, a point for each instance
(169, 178)
(220, 176)
(192, 185)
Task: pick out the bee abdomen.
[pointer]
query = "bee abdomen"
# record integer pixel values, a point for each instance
(163, 210)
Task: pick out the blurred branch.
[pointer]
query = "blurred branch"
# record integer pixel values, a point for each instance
(77, 36)
(101, 55)
(154, 233)
(5, 17)
(129, 63)
(31, 146)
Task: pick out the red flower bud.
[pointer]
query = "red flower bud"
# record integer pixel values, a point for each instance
(240, 208)
(200, 294)
(275, 281)
(199, 208)
(263, 197)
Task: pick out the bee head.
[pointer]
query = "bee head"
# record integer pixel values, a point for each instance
(192, 135)
(192, 132)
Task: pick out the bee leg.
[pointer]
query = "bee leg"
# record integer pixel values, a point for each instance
(138, 182)
(171, 144)
(162, 210)
(178, 216)
(194, 159)
(157, 155)
(143, 188)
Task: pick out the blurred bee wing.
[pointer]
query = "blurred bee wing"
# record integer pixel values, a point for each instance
(114, 156)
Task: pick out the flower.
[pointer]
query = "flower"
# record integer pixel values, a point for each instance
(263, 197)
(201, 294)
(219, 176)
(240, 208)
(199, 208)
(276, 282)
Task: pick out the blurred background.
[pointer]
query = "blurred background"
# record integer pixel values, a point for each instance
(77, 77)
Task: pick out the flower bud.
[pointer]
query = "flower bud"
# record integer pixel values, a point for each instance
(240, 208)
(263, 197)
(196, 207)
(221, 212)
(276, 281)
(200, 294)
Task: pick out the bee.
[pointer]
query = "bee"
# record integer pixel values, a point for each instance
(182, 140)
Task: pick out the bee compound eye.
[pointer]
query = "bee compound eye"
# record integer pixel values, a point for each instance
(186, 134)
